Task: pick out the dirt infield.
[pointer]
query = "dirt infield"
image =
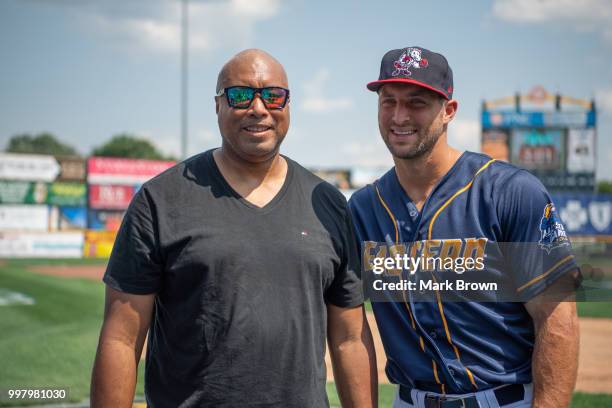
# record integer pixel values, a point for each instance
(595, 370)
(594, 374)
(93, 272)
(595, 358)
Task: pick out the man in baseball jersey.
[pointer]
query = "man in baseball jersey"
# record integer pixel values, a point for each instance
(520, 351)
(239, 263)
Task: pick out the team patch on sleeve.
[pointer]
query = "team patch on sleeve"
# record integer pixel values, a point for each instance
(552, 231)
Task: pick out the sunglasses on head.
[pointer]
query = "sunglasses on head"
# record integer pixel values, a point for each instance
(241, 97)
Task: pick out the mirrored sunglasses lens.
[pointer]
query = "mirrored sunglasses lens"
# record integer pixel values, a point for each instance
(274, 98)
(240, 97)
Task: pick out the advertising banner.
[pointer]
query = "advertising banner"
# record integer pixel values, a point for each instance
(30, 192)
(495, 144)
(581, 150)
(110, 170)
(67, 218)
(340, 178)
(23, 192)
(99, 244)
(41, 245)
(563, 180)
(67, 194)
(28, 167)
(512, 119)
(110, 197)
(104, 220)
(24, 217)
(536, 149)
(585, 214)
(71, 169)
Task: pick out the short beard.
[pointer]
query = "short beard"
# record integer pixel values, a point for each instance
(424, 147)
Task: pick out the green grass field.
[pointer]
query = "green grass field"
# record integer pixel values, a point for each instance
(52, 343)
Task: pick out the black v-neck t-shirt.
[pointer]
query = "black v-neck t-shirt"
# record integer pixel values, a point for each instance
(241, 291)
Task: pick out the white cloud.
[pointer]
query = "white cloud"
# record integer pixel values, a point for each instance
(169, 143)
(603, 99)
(140, 33)
(464, 134)
(156, 25)
(317, 104)
(315, 99)
(579, 15)
(368, 154)
(256, 8)
(546, 10)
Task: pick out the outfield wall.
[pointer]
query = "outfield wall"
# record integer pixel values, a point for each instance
(73, 207)
(53, 207)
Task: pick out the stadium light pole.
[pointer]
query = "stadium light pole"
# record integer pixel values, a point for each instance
(184, 75)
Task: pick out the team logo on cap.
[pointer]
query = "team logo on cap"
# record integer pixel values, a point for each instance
(410, 58)
(552, 231)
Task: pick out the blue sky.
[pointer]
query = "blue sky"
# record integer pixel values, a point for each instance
(86, 70)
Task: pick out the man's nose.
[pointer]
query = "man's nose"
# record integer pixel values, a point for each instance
(257, 106)
(401, 114)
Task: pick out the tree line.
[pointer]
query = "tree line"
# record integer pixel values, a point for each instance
(121, 145)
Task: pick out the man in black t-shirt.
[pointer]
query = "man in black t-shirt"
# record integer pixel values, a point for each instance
(239, 262)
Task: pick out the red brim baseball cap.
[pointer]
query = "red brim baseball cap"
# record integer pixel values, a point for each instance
(418, 66)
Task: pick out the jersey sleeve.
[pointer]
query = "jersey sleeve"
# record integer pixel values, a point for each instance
(135, 264)
(536, 248)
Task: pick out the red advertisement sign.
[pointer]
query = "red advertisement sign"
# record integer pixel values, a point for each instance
(111, 170)
(109, 197)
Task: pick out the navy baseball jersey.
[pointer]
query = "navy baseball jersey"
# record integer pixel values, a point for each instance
(460, 347)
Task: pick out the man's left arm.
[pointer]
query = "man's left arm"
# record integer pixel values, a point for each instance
(353, 357)
(555, 354)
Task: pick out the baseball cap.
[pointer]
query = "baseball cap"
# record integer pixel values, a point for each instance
(416, 65)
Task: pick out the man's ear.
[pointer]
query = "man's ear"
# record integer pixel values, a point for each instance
(217, 105)
(450, 109)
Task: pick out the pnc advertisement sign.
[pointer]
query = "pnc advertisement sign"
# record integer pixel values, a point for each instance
(111, 170)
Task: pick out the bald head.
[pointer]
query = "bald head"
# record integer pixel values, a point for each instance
(253, 133)
(258, 62)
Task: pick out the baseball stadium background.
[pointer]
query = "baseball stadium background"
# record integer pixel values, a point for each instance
(59, 216)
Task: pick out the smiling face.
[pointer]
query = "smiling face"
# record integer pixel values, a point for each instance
(411, 118)
(252, 134)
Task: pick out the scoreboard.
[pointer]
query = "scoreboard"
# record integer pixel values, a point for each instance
(552, 136)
